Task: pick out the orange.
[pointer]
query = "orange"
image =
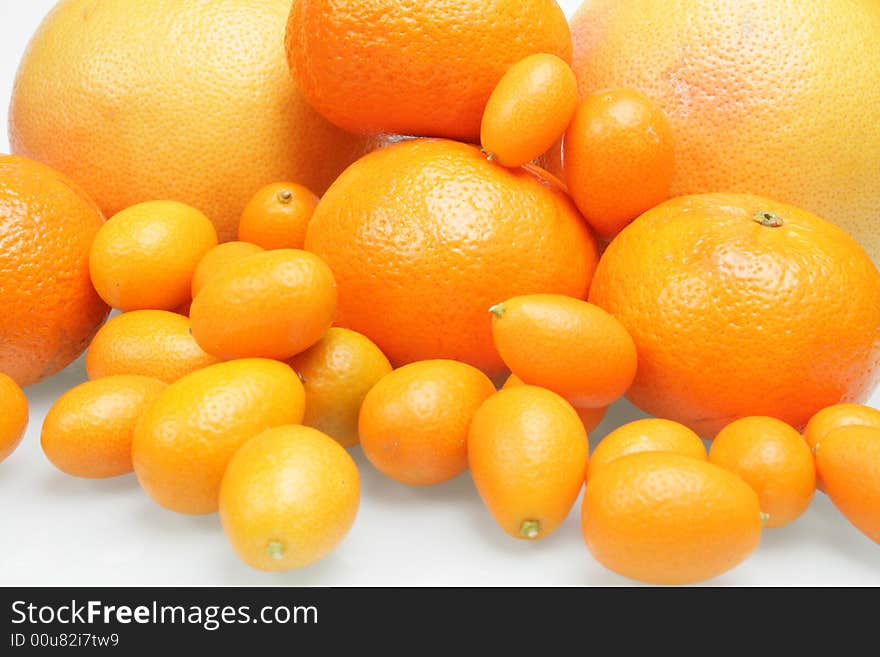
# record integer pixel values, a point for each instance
(416, 68)
(665, 518)
(288, 498)
(566, 345)
(528, 454)
(590, 417)
(425, 235)
(337, 373)
(50, 310)
(835, 417)
(277, 216)
(13, 416)
(618, 158)
(145, 256)
(529, 109)
(274, 305)
(741, 306)
(648, 435)
(88, 431)
(414, 422)
(773, 459)
(759, 95)
(154, 343)
(192, 101)
(217, 259)
(848, 459)
(184, 441)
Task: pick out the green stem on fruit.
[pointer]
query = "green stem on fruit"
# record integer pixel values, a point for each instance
(765, 518)
(769, 219)
(275, 550)
(284, 196)
(498, 310)
(530, 528)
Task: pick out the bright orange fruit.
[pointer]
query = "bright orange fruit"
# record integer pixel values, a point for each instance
(218, 259)
(277, 216)
(590, 417)
(13, 415)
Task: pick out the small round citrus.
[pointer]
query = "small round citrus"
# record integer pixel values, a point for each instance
(277, 216)
(146, 255)
(618, 158)
(665, 518)
(337, 373)
(88, 431)
(590, 417)
(274, 304)
(13, 415)
(183, 442)
(529, 109)
(528, 454)
(566, 345)
(218, 259)
(154, 343)
(835, 417)
(648, 435)
(773, 459)
(414, 422)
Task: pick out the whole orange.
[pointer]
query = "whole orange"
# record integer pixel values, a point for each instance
(741, 306)
(415, 68)
(139, 100)
(426, 235)
(50, 310)
(217, 259)
(277, 216)
(760, 95)
(13, 415)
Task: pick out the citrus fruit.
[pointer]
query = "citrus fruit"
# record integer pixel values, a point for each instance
(14, 415)
(835, 417)
(185, 439)
(759, 95)
(145, 256)
(569, 346)
(848, 460)
(425, 235)
(618, 158)
(88, 431)
(217, 259)
(414, 422)
(590, 417)
(665, 518)
(741, 306)
(191, 101)
(648, 435)
(773, 459)
(288, 498)
(277, 216)
(50, 309)
(274, 304)
(415, 68)
(529, 109)
(528, 453)
(337, 373)
(154, 343)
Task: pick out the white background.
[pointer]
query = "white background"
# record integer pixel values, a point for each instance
(57, 530)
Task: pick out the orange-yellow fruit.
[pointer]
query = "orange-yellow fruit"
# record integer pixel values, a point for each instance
(13, 415)
(848, 459)
(184, 441)
(528, 455)
(759, 95)
(89, 430)
(529, 109)
(414, 422)
(590, 417)
(665, 518)
(154, 343)
(274, 304)
(417, 68)
(773, 459)
(192, 101)
(218, 259)
(742, 306)
(277, 216)
(145, 256)
(50, 310)
(648, 435)
(425, 235)
(337, 373)
(566, 345)
(288, 498)
(618, 158)
(835, 417)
